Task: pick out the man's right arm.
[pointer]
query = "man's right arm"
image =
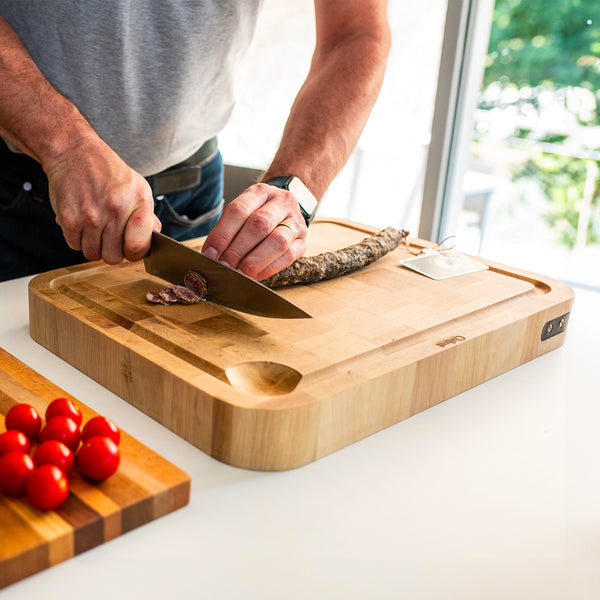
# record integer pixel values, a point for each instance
(103, 206)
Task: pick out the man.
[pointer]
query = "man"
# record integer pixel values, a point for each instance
(106, 99)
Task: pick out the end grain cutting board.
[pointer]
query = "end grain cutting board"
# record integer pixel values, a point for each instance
(144, 488)
(384, 343)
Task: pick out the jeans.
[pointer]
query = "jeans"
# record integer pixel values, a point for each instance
(194, 212)
(31, 241)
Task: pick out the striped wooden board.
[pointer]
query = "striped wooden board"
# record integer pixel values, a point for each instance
(145, 487)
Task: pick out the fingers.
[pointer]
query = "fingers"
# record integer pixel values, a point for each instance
(104, 208)
(138, 233)
(296, 250)
(219, 241)
(116, 236)
(259, 233)
(91, 243)
(277, 250)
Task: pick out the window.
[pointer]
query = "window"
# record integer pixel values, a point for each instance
(522, 179)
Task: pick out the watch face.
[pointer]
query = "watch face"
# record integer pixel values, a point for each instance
(304, 196)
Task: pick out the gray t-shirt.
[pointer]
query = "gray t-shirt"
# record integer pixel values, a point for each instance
(153, 77)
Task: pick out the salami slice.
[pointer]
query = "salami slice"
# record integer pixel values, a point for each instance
(309, 269)
(193, 290)
(185, 295)
(155, 298)
(168, 295)
(196, 282)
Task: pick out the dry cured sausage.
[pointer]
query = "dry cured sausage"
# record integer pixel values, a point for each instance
(309, 269)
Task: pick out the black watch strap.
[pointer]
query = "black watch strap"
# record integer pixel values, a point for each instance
(279, 182)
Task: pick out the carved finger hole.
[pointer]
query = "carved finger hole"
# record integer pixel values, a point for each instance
(263, 378)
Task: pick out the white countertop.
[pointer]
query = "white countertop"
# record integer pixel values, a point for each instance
(493, 494)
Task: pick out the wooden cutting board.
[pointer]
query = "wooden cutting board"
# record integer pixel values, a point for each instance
(384, 343)
(144, 488)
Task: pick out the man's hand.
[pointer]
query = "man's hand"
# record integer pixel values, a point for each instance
(104, 208)
(250, 235)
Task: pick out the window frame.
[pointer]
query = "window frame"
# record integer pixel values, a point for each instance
(464, 48)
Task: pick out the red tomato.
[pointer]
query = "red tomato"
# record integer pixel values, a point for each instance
(101, 426)
(15, 468)
(98, 458)
(23, 417)
(13, 440)
(63, 429)
(53, 452)
(63, 407)
(47, 487)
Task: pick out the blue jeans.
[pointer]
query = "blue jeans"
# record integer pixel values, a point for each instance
(31, 241)
(194, 212)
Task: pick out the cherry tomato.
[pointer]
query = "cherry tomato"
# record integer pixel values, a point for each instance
(47, 487)
(63, 429)
(98, 458)
(101, 426)
(63, 407)
(15, 468)
(13, 440)
(53, 452)
(23, 417)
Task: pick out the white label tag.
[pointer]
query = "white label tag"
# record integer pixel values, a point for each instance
(443, 264)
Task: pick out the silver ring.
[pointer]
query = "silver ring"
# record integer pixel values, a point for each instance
(290, 227)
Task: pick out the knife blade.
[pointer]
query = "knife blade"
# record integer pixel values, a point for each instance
(171, 260)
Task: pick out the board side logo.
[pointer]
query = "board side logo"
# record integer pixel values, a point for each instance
(451, 341)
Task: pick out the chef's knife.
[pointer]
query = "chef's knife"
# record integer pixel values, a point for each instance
(171, 260)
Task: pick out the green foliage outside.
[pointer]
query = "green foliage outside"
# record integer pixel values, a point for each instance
(545, 43)
(562, 179)
(538, 46)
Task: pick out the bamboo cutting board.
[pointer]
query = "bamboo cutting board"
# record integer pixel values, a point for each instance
(144, 488)
(384, 343)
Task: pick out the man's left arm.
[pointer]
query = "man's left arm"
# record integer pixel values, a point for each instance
(325, 122)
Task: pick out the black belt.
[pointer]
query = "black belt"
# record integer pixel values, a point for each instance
(186, 174)
(181, 176)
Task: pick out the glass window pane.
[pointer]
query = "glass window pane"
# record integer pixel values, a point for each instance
(531, 187)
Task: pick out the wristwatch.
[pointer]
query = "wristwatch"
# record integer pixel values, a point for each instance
(306, 201)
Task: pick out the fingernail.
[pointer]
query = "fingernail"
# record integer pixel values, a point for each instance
(210, 252)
